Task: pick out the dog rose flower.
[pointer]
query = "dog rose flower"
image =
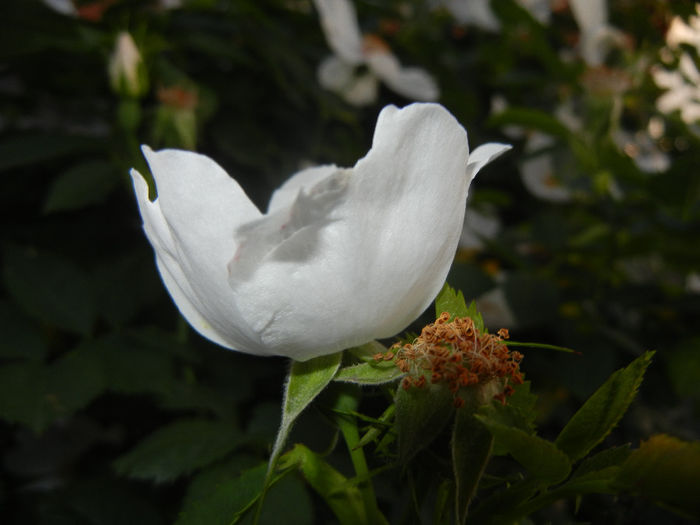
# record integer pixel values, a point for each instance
(342, 256)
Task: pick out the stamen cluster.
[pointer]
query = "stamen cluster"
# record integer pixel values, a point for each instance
(455, 353)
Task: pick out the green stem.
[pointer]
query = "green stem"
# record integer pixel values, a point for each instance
(348, 427)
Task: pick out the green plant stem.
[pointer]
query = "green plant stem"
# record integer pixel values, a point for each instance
(348, 427)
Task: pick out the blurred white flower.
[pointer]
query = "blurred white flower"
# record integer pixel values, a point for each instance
(65, 7)
(126, 71)
(692, 283)
(478, 226)
(597, 35)
(351, 49)
(682, 87)
(342, 256)
(643, 150)
(495, 310)
(478, 13)
(538, 173)
(680, 32)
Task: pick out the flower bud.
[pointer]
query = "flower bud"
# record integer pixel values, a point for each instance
(127, 73)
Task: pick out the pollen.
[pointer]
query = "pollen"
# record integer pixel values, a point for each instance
(454, 353)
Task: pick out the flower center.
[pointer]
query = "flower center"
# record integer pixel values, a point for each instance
(456, 354)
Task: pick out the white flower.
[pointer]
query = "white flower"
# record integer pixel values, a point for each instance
(692, 283)
(65, 7)
(478, 13)
(597, 36)
(337, 73)
(126, 72)
(478, 226)
(681, 33)
(538, 173)
(682, 89)
(642, 149)
(495, 310)
(342, 256)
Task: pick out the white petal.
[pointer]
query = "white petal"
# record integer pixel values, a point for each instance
(537, 172)
(339, 24)
(484, 154)
(361, 91)
(478, 226)
(176, 282)
(384, 247)
(65, 7)
(413, 83)
(191, 226)
(541, 10)
(473, 12)
(589, 14)
(285, 195)
(334, 73)
(494, 308)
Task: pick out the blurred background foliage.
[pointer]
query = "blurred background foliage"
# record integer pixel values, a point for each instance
(113, 411)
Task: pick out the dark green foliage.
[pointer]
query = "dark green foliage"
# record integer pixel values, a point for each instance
(113, 411)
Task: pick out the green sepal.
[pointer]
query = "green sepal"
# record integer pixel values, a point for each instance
(369, 373)
(471, 450)
(421, 414)
(306, 380)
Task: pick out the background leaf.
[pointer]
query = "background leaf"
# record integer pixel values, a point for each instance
(179, 449)
(597, 417)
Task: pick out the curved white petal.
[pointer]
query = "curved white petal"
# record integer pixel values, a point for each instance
(191, 226)
(413, 83)
(339, 23)
(370, 263)
(484, 154)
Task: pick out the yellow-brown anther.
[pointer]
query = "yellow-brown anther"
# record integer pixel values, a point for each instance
(454, 353)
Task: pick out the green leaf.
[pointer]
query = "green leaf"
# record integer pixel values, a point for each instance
(228, 502)
(471, 450)
(665, 470)
(306, 380)
(32, 148)
(603, 462)
(452, 302)
(179, 449)
(518, 412)
(110, 502)
(369, 373)
(20, 336)
(684, 368)
(530, 118)
(343, 497)
(82, 185)
(602, 411)
(36, 395)
(50, 288)
(421, 414)
(541, 458)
